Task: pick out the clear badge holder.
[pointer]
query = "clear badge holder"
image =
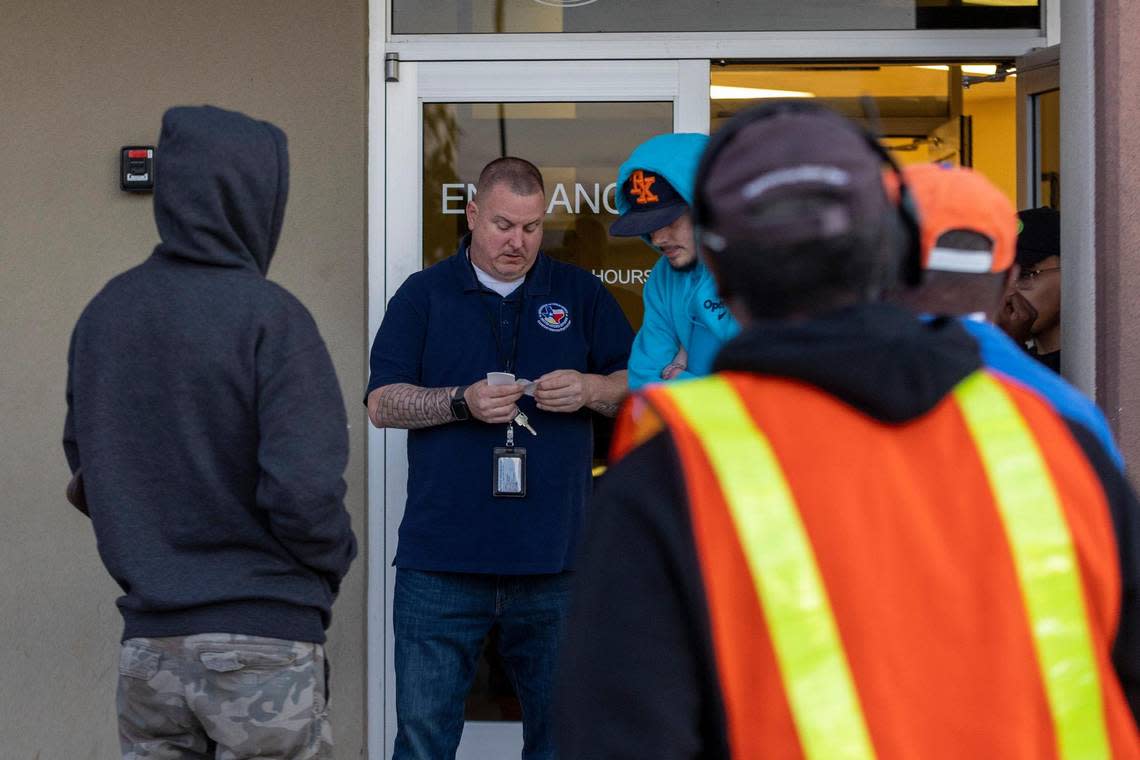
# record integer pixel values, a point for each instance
(508, 468)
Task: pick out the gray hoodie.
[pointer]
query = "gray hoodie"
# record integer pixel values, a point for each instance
(204, 409)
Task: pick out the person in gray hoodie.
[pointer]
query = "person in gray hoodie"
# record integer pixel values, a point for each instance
(207, 428)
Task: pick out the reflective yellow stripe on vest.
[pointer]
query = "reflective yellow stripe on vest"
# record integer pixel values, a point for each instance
(1047, 569)
(811, 658)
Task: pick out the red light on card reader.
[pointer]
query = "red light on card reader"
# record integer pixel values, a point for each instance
(136, 154)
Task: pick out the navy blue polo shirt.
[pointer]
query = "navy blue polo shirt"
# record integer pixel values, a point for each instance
(442, 328)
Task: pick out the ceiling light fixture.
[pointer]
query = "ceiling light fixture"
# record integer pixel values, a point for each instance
(727, 92)
(974, 69)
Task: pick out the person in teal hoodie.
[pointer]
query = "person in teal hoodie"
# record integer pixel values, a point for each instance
(686, 321)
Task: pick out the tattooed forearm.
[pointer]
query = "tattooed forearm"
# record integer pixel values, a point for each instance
(401, 405)
(609, 392)
(605, 408)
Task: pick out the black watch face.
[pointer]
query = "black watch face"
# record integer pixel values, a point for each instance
(459, 408)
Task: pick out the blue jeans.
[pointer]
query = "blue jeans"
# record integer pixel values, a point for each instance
(440, 621)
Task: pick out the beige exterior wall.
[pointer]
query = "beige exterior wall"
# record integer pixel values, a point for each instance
(77, 81)
(1117, 67)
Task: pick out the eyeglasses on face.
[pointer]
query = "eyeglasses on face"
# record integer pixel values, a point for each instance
(1029, 275)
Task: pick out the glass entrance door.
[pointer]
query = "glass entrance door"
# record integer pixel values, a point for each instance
(577, 122)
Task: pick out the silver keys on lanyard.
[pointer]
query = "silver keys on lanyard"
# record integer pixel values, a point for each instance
(522, 421)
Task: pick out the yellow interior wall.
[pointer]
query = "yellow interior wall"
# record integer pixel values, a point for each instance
(992, 104)
(993, 107)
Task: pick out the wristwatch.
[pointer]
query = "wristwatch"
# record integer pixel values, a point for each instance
(459, 404)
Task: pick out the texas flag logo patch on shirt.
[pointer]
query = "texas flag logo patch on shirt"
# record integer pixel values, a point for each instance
(554, 317)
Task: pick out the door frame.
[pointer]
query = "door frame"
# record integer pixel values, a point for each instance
(1079, 156)
(1073, 73)
(1037, 73)
(395, 251)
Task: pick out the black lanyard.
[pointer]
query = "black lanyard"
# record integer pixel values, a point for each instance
(509, 360)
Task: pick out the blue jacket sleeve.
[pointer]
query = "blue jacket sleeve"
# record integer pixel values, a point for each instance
(999, 352)
(702, 349)
(659, 338)
(713, 325)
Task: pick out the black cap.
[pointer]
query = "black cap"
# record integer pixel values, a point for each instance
(1039, 236)
(652, 204)
(794, 154)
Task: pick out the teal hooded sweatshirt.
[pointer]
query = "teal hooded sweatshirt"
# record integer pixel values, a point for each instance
(682, 309)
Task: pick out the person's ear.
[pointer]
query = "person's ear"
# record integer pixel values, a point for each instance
(472, 214)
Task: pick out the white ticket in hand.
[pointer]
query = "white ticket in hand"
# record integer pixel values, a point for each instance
(506, 378)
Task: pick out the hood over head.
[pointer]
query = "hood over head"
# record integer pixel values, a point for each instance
(674, 156)
(221, 180)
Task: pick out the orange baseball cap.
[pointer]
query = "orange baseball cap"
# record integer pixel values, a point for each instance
(951, 198)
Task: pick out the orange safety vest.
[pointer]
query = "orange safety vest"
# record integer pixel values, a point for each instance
(944, 588)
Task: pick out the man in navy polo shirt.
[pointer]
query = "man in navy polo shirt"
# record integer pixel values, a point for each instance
(469, 560)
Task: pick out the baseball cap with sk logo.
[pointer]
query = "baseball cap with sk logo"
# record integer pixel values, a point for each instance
(652, 204)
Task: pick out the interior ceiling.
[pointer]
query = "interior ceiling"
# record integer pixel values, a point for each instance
(910, 99)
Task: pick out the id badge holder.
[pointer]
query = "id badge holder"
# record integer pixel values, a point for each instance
(508, 469)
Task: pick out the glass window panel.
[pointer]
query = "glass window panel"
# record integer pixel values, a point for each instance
(556, 16)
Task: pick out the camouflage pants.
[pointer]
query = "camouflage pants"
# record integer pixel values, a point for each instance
(224, 696)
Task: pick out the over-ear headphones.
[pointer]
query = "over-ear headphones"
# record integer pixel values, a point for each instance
(907, 211)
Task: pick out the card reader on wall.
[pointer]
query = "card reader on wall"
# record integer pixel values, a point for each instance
(136, 168)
